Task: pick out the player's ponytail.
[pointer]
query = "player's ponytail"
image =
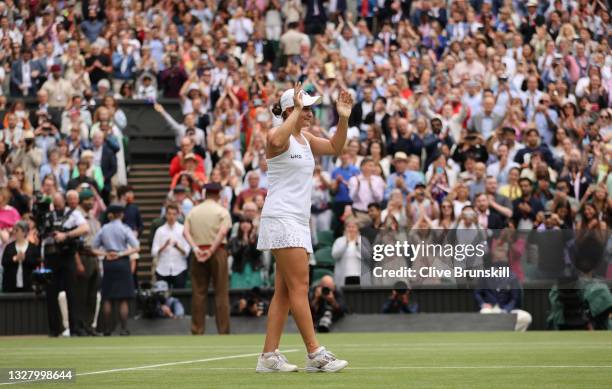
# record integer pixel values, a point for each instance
(276, 110)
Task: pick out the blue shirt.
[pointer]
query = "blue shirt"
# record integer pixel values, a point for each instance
(411, 178)
(342, 195)
(115, 236)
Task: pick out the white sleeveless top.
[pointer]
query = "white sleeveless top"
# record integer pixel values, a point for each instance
(290, 183)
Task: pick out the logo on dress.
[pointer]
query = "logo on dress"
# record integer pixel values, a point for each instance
(294, 156)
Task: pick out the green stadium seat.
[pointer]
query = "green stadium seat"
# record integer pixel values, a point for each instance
(318, 273)
(324, 257)
(325, 238)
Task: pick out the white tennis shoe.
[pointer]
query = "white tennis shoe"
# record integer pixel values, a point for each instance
(275, 363)
(324, 361)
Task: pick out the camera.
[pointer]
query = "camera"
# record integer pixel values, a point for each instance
(325, 291)
(325, 321)
(149, 299)
(48, 225)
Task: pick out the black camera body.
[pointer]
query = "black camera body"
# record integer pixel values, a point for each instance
(48, 225)
(148, 302)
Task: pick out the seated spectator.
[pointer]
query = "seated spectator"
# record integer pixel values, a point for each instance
(170, 250)
(502, 295)
(327, 304)
(19, 260)
(246, 259)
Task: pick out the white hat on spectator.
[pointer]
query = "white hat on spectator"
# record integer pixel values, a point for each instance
(104, 83)
(532, 3)
(286, 100)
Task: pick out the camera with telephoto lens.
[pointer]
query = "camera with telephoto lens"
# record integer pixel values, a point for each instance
(48, 225)
(149, 298)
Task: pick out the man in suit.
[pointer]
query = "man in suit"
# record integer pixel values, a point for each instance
(487, 217)
(104, 157)
(315, 20)
(25, 75)
(486, 121)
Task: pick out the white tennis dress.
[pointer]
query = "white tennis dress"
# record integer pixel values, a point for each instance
(285, 218)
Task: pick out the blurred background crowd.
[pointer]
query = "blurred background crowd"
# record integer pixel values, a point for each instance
(480, 114)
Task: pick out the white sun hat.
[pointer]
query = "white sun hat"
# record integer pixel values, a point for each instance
(286, 100)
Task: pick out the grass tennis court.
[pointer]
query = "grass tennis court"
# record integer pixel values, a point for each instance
(377, 360)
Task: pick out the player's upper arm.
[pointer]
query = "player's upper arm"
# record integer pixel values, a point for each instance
(321, 146)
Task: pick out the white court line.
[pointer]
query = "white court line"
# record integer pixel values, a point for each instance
(59, 347)
(435, 367)
(156, 366)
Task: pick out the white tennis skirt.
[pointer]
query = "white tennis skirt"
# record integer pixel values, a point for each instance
(278, 233)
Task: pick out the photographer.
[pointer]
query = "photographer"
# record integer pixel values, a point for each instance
(160, 304)
(399, 301)
(59, 234)
(327, 304)
(252, 304)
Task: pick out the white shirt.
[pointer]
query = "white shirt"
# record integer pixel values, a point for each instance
(348, 259)
(171, 261)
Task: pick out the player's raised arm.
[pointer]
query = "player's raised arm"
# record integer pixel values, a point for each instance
(334, 146)
(278, 138)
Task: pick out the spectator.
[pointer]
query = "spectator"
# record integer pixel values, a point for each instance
(19, 259)
(246, 259)
(28, 157)
(170, 249)
(59, 89)
(347, 251)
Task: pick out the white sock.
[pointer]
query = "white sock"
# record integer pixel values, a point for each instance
(311, 355)
(267, 355)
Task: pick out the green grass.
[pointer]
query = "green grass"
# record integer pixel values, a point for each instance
(377, 360)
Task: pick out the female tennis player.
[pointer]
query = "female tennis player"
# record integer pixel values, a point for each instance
(285, 228)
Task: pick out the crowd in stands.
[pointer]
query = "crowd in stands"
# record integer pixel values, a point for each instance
(469, 114)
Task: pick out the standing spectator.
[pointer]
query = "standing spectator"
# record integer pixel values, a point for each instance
(170, 250)
(59, 89)
(116, 242)
(124, 64)
(19, 259)
(240, 27)
(206, 227)
(347, 251)
(29, 158)
(105, 158)
(246, 259)
(98, 65)
(25, 75)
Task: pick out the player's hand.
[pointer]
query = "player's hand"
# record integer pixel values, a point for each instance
(297, 96)
(344, 105)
